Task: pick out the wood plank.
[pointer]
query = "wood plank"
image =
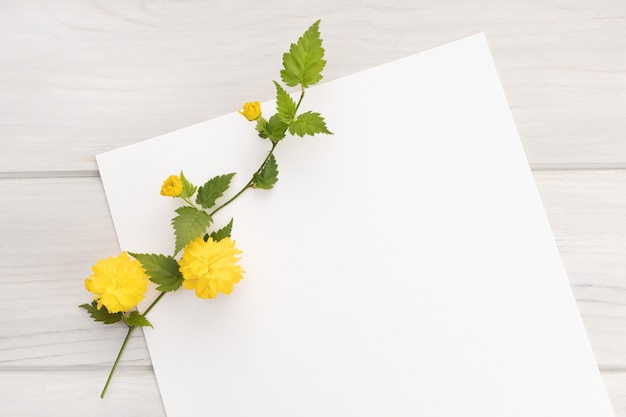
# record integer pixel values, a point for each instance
(615, 383)
(70, 392)
(52, 232)
(80, 78)
(587, 212)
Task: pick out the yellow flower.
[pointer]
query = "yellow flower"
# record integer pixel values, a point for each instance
(172, 186)
(119, 283)
(210, 266)
(251, 110)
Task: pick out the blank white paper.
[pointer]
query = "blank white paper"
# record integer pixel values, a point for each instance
(403, 266)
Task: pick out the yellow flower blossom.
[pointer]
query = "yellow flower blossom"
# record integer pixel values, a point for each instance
(210, 267)
(251, 110)
(119, 283)
(172, 186)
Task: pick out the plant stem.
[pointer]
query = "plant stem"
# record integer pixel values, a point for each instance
(117, 360)
(188, 201)
(126, 339)
(300, 100)
(145, 313)
(132, 328)
(249, 184)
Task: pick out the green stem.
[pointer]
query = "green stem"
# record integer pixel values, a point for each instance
(300, 100)
(117, 360)
(188, 201)
(126, 339)
(249, 184)
(145, 313)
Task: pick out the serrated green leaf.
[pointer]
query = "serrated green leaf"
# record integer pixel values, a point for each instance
(188, 188)
(285, 105)
(267, 176)
(162, 270)
(101, 315)
(135, 319)
(189, 224)
(274, 128)
(213, 189)
(261, 127)
(304, 62)
(308, 123)
(222, 233)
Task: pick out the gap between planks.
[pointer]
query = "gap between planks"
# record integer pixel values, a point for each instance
(96, 173)
(126, 369)
(604, 369)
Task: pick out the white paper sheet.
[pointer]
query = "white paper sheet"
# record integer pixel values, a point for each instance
(402, 267)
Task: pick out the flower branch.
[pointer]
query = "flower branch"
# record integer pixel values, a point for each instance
(208, 261)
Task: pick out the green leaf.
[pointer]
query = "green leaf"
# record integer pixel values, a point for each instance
(102, 315)
(163, 270)
(261, 127)
(222, 233)
(188, 188)
(213, 189)
(137, 320)
(285, 105)
(267, 176)
(308, 123)
(189, 224)
(304, 62)
(274, 129)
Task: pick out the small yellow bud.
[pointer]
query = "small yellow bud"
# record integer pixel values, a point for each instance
(251, 110)
(172, 186)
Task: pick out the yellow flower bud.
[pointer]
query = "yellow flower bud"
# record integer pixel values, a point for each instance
(251, 110)
(172, 186)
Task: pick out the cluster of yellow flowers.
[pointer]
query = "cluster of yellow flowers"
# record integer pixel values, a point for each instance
(208, 267)
(120, 283)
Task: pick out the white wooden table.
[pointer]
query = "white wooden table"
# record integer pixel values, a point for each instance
(81, 77)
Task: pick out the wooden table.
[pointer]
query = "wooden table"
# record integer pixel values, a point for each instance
(81, 77)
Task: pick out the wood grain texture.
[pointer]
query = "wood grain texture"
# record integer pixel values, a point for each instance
(587, 212)
(52, 232)
(616, 387)
(76, 393)
(79, 78)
